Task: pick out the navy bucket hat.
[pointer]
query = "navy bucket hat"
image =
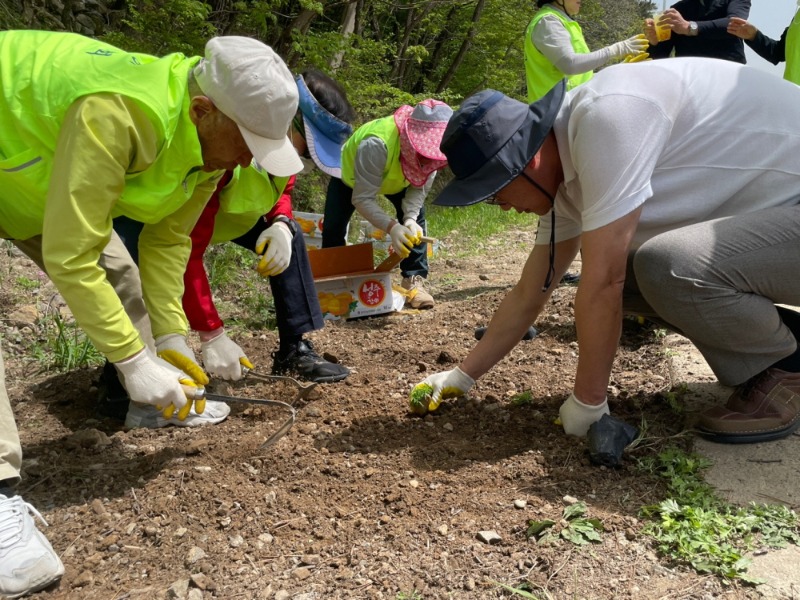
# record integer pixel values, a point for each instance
(490, 139)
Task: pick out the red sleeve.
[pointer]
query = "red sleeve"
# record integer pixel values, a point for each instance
(198, 303)
(284, 204)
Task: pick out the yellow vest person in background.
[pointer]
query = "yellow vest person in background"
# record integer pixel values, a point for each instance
(786, 49)
(555, 49)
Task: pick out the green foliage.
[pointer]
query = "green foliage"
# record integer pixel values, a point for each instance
(694, 526)
(67, 346)
(413, 595)
(579, 529)
(10, 17)
(478, 222)
(163, 27)
(231, 274)
(28, 284)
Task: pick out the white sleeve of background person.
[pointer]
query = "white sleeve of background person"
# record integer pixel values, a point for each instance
(552, 39)
(370, 163)
(669, 135)
(415, 198)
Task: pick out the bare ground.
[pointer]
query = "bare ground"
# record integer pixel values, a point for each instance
(360, 499)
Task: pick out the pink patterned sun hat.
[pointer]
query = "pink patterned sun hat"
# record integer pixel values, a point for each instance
(421, 130)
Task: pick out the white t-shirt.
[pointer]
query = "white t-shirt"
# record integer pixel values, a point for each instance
(693, 139)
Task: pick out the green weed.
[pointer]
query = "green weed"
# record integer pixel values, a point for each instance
(27, 283)
(522, 399)
(525, 590)
(579, 530)
(67, 347)
(695, 527)
(413, 595)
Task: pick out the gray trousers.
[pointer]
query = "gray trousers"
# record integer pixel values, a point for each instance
(718, 282)
(122, 273)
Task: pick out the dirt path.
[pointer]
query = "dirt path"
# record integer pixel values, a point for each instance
(359, 500)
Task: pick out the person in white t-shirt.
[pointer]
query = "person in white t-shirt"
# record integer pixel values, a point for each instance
(679, 182)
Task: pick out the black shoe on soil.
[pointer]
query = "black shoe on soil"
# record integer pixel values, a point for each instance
(112, 399)
(301, 360)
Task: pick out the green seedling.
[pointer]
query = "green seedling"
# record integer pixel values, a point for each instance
(522, 399)
(419, 399)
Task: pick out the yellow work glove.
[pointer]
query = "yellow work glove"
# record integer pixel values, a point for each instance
(630, 47)
(415, 229)
(403, 239)
(428, 394)
(275, 244)
(634, 58)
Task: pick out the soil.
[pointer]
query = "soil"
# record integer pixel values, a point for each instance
(360, 499)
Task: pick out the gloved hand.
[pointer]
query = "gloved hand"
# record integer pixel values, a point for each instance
(275, 243)
(150, 380)
(173, 349)
(222, 357)
(634, 58)
(447, 384)
(403, 239)
(576, 417)
(415, 229)
(635, 45)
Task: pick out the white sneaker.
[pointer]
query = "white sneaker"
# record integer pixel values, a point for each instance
(148, 416)
(27, 560)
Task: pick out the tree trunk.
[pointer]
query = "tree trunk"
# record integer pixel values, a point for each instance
(301, 22)
(348, 28)
(462, 51)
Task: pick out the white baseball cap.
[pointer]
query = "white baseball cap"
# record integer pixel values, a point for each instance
(250, 84)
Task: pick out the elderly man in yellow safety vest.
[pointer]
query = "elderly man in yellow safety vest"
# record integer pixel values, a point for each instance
(89, 132)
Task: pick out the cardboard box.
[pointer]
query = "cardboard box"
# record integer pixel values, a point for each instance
(311, 225)
(349, 285)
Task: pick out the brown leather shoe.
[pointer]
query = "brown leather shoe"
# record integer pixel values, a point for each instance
(418, 297)
(764, 408)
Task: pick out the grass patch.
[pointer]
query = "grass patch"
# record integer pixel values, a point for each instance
(693, 526)
(477, 222)
(66, 347)
(231, 274)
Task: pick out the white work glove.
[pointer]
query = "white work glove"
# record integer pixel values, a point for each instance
(151, 380)
(632, 46)
(222, 357)
(576, 417)
(173, 349)
(275, 243)
(403, 239)
(435, 388)
(415, 229)
(176, 342)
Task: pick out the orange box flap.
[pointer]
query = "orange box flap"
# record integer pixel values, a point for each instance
(342, 260)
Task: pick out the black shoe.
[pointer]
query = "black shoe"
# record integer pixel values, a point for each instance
(112, 399)
(571, 278)
(302, 361)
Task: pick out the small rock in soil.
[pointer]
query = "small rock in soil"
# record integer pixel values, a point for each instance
(520, 504)
(489, 537)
